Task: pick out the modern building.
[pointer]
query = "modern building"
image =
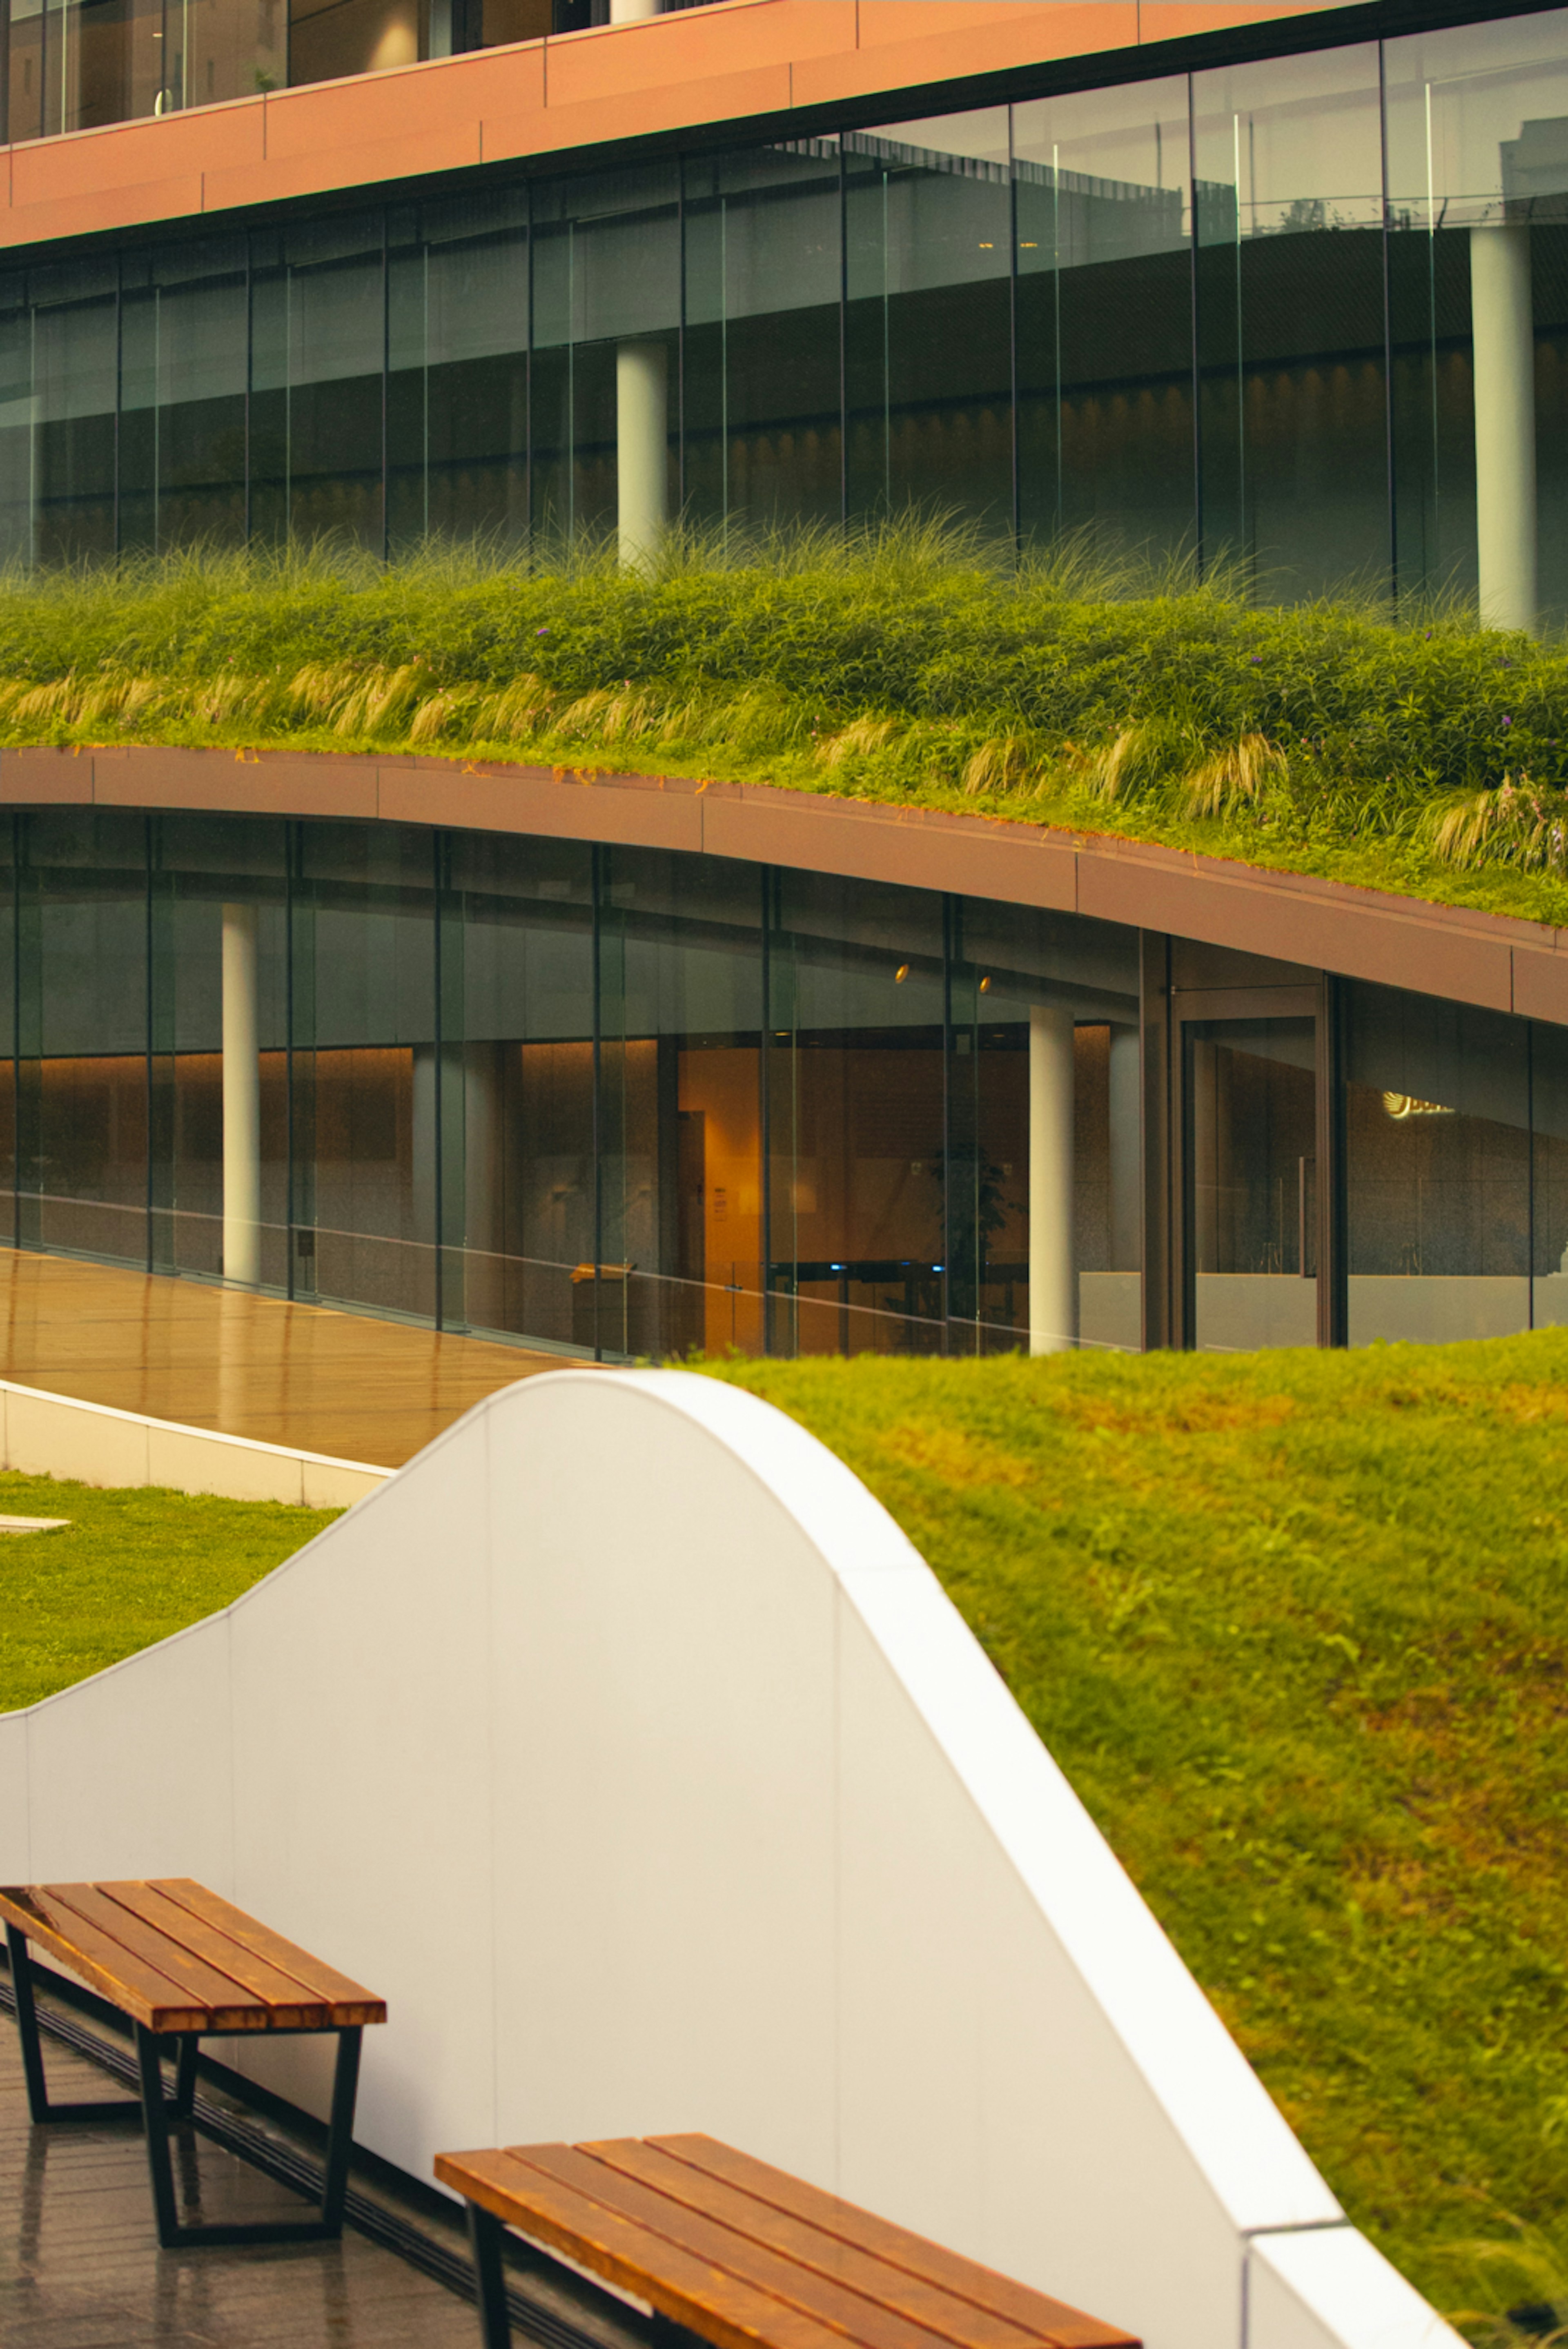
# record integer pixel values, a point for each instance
(630, 1069)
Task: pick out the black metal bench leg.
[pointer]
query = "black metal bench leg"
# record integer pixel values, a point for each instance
(155, 2120)
(486, 2237)
(173, 2234)
(185, 2076)
(341, 2135)
(40, 2107)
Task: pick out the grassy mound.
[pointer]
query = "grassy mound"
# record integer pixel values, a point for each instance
(906, 665)
(133, 1566)
(1294, 1626)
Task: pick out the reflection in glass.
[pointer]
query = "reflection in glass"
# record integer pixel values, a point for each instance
(1437, 1168)
(761, 376)
(1251, 1174)
(1288, 170)
(1105, 318)
(926, 330)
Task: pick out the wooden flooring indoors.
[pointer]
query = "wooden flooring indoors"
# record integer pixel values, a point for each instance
(295, 1374)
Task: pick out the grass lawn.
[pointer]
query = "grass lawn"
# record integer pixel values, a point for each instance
(133, 1566)
(1295, 1627)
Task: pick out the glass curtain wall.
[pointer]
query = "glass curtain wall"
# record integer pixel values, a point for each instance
(1228, 315)
(1107, 451)
(601, 1100)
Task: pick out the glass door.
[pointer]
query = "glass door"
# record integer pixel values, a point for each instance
(1251, 1181)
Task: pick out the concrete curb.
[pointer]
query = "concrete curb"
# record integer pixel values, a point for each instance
(46, 1434)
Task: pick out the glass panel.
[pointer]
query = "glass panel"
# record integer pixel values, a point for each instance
(1105, 318)
(1478, 145)
(1437, 1168)
(1251, 1177)
(680, 1175)
(318, 350)
(457, 393)
(927, 322)
(328, 38)
(1549, 1176)
(1010, 966)
(82, 1034)
(517, 1095)
(366, 1078)
(74, 65)
(763, 442)
(1288, 167)
(183, 397)
(854, 1110)
(204, 869)
(606, 288)
(75, 384)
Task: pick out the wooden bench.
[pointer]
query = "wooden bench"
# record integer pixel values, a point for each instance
(743, 2255)
(180, 1962)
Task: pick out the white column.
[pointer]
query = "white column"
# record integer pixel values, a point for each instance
(1504, 329)
(632, 12)
(242, 1099)
(641, 434)
(1053, 1274)
(1125, 1171)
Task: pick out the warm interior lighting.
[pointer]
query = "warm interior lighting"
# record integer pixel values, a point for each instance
(901, 974)
(1400, 1106)
(985, 987)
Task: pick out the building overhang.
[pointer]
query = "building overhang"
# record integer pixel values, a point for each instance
(1459, 953)
(755, 67)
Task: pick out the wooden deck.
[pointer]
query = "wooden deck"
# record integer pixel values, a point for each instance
(294, 1374)
(80, 2267)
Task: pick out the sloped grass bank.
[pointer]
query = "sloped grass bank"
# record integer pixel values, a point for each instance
(909, 666)
(1296, 1627)
(133, 1565)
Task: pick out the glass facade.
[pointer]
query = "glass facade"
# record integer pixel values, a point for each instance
(593, 1099)
(616, 1100)
(1226, 314)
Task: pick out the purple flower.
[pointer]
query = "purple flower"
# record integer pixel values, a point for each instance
(1507, 722)
(541, 632)
(1257, 657)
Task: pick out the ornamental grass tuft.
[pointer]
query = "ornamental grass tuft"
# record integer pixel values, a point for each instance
(908, 663)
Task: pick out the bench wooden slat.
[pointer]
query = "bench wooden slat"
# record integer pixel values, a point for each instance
(347, 2001)
(293, 2008)
(228, 2006)
(726, 2312)
(867, 2321)
(1048, 2319)
(127, 1982)
(926, 2305)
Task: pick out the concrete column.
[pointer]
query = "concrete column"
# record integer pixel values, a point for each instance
(1125, 1151)
(1502, 324)
(642, 433)
(1052, 1273)
(242, 1099)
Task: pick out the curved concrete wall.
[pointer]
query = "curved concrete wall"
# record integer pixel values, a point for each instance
(625, 1743)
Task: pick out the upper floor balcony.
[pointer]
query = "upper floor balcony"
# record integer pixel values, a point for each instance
(80, 64)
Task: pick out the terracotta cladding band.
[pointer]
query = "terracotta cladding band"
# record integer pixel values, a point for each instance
(1503, 963)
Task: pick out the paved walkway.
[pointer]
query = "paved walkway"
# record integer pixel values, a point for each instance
(294, 1374)
(80, 2267)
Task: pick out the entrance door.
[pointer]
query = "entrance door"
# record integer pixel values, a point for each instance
(1251, 1181)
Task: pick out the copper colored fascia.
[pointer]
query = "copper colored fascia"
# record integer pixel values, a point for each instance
(1466, 956)
(569, 91)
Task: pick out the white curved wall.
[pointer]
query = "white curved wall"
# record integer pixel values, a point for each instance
(625, 1743)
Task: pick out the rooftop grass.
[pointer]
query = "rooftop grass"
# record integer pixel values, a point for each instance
(133, 1566)
(909, 666)
(1294, 1626)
